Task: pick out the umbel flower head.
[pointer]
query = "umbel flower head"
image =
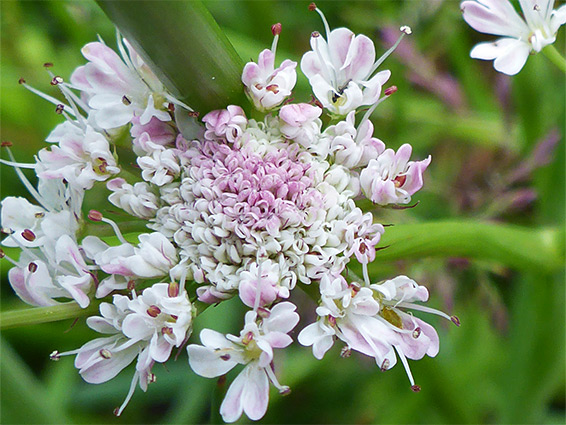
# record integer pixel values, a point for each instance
(251, 209)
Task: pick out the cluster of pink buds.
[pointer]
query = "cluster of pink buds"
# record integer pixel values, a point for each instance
(251, 209)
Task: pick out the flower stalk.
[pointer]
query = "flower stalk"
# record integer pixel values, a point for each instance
(552, 53)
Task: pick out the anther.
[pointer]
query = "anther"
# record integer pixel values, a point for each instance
(126, 101)
(225, 357)
(28, 235)
(94, 215)
(21, 81)
(54, 356)
(248, 338)
(105, 354)
(312, 7)
(284, 390)
(32, 267)
(151, 378)
(2, 253)
(332, 320)
(274, 88)
(536, 7)
(116, 412)
(193, 114)
(153, 311)
(166, 331)
(385, 365)
(406, 29)
(276, 29)
(56, 80)
(315, 34)
(416, 333)
(48, 65)
(7, 231)
(59, 108)
(415, 388)
(7, 144)
(131, 285)
(263, 312)
(390, 90)
(173, 290)
(455, 320)
(39, 215)
(345, 352)
(171, 107)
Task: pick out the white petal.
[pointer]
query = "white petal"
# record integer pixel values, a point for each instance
(206, 362)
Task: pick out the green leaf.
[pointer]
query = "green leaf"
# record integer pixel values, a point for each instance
(521, 248)
(182, 43)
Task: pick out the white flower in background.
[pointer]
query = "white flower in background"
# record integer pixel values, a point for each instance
(520, 37)
(249, 392)
(147, 326)
(266, 86)
(136, 200)
(392, 178)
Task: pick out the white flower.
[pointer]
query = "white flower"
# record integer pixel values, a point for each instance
(341, 71)
(82, 157)
(249, 392)
(147, 327)
(498, 17)
(136, 200)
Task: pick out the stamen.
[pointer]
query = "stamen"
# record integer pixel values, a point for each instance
(417, 333)
(59, 109)
(118, 411)
(153, 311)
(105, 354)
(6, 144)
(97, 216)
(55, 356)
(28, 235)
(324, 21)
(385, 365)
(18, 164)
(56, 80)
(151, 378)
(32, 267)
(405, 30)
(345, 352)
(406, 366)
(283, 389)
(48, 64)
(425, 309)
(275, 30)
(126, 101)
(173, 290)
(366, 274)
(390, 90)
(455, 320)
(42, 95)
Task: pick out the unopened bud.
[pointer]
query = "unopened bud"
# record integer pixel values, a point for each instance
(7, 144)
(406, 29)
(95, 215)
(32, 267)
(276, 29)
(390, 90)
(56, 80)
(28, 235)
(153, 311)
(54, 356)
(415, 388)
(105, 354)
(59, 108)
(21, 81)
(416, 333)
(455, 320)
(345, 352)
(312, 7)
(173, 289)
(126, 101)
(48, 64)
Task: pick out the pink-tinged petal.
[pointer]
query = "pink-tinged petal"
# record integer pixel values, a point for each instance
(114, 116)
(159, 348)
(135, 327)
(76, 287)
(208, 363)
(232, 406)
(360, 60)
(512, 59)
(278, 339)
(310, 64)
(339, 44)
(36, 290)
(102, 370)
(100, 324)
(255, 396)
(106, 59)
(497, 17)
(250, 74)
(414, 176)
(283, 318)
(266, 61)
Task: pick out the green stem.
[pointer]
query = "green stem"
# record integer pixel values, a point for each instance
(539, 250)
(33, 316)
(184, 46)
(555, 57)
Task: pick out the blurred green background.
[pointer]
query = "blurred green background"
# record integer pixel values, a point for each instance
(498, 155)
